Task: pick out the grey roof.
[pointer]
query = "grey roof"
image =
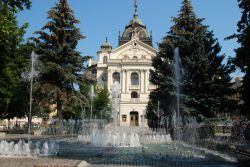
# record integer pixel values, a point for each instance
(137, 24)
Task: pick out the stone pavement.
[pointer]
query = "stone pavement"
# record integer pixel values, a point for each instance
(38, 162)
(45, 162)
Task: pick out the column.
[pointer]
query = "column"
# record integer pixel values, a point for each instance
(127, 80)
(123, 81)
(145, 80)
(141, 81)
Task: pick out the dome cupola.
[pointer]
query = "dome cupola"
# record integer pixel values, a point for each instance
(106, 46)
(135, 29)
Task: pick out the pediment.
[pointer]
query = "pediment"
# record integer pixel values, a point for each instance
(134, 48)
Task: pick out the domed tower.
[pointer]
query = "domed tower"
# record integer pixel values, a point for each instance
(129, 64)
(135, 29)
(106, 46)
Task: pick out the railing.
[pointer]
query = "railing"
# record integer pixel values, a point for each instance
(152, 87)
(134, 87)
(102, 65)
(114, 61)
(135, 100)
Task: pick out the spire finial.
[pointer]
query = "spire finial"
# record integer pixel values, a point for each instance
(106, 39)
(136, 8)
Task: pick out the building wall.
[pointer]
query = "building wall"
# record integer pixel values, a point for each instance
(125, 60)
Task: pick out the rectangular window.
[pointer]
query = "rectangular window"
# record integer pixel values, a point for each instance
(124, 118)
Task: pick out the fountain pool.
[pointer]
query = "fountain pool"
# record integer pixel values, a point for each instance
(109, 144)
(172, 155)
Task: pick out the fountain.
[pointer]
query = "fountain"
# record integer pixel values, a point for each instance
(27, 149)
(30, 76)
(99, 142)
(176, 116)
(112, 135)
(114, 145)
(92, 94)
(115, 102)
(22, 148)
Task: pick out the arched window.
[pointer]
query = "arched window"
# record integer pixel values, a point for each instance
(105, 60)
(134, 95)
(116, 77)
(134, 79)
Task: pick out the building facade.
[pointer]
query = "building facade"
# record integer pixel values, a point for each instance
(130, 65)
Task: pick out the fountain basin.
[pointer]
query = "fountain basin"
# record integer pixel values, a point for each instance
(175, 154)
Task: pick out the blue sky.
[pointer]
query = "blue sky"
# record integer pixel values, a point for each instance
(105, 18)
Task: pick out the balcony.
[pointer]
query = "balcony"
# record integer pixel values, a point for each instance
(131, 100)
(152, 87)
(100, 65)
(114, 61)
(136, 61)
(129, 61)
(111, 88)
(135, 100)
(134, 87)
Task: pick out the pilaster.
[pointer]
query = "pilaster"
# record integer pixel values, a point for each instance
(141, 82)
(123, 73)
(127, 81)
(145, 80)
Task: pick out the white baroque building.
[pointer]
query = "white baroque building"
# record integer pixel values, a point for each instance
(130, 64)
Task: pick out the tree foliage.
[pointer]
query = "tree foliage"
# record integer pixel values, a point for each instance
(62, 64)
(242, 59)
(204, 79)
(16, 5)
(13, 58)
(101, 103)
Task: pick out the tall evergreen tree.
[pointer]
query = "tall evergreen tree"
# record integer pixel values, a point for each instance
(62, 64)
(204, 81)
(242, 59)
(218, 87)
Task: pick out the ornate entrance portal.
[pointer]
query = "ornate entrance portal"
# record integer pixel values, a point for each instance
(134, 118)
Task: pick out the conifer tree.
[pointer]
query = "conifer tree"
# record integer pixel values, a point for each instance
(218, 87)
(242, 59)
(205, 80)
(62, 64)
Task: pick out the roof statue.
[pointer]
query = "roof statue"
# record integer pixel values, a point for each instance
(135, 33)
